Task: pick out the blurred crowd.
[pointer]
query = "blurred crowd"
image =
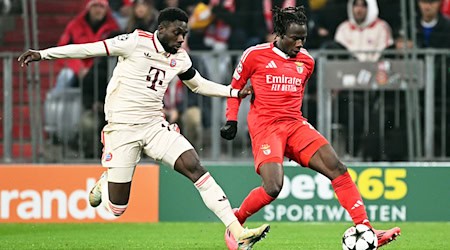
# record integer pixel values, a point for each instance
(219, 25)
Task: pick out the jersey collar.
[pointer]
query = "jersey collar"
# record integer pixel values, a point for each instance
(158, 46)
(278, 51)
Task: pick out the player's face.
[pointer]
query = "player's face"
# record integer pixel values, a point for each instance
(172, 34)
(294, 39)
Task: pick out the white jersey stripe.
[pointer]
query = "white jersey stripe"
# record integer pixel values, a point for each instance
(257, 47)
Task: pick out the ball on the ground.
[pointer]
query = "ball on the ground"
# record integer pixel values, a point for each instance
(359, 237)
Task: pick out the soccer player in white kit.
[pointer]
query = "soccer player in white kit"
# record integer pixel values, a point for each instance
(133, 108)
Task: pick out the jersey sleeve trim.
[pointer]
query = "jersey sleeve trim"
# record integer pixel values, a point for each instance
(305, 52)
(251, 49)
(106, 47)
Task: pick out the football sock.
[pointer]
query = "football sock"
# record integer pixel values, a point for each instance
(116, 210)
(215, 199)
(255, 200)
(350, 198)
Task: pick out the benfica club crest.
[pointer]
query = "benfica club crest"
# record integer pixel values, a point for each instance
(266, 149)
(299, 67)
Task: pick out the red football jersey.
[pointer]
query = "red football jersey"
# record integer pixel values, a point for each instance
(278, 82)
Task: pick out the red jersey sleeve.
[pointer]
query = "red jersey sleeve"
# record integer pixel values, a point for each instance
(241, 74)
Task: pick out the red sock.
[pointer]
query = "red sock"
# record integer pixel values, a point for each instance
(350, 198)
(255, 200)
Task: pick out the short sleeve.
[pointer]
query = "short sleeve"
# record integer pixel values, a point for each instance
(122, 45)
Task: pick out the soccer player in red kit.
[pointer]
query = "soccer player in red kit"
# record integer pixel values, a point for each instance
(279, 72)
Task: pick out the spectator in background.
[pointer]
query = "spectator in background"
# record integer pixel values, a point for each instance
(186, 5)
(209, 31)
(144, 16)
(433, 30)
(324, 21)
(228, 24)
(93, 24)
(364, 31)
(445, 9)
(5, 6)
(121, 11)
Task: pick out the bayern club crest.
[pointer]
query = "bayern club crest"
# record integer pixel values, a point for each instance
(299, 67)
(173, 62)
(266, 149)
(108, 157)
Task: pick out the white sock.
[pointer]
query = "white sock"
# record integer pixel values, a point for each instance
(215, 199)
(116, 210)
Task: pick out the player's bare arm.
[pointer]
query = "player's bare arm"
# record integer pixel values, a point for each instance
(198, 84)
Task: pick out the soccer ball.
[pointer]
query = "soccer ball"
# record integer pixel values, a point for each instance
(359, 237)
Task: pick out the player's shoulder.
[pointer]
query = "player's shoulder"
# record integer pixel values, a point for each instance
(255, 50)
(304, 55)
(143, 34)
(182, 54)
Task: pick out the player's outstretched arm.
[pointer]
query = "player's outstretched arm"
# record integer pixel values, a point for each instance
(84, 50)
(200, 85)
(29, 56)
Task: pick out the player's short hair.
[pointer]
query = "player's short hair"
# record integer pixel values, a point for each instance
(172, 14)
(282, 18)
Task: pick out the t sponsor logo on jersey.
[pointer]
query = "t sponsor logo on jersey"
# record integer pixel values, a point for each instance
(299, 67)
(173, 62)
(271, 65)
(266, 149)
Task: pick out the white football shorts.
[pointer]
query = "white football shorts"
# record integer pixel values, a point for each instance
(124, 143)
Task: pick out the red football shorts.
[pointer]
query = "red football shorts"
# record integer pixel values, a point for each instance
(297, 140)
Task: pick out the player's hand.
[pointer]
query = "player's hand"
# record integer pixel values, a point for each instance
(229, 130)
(247, 90)
(29, 56)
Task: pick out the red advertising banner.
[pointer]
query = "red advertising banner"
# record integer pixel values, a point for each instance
(59, 193)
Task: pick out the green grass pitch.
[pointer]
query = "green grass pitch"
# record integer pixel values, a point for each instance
(205, 236)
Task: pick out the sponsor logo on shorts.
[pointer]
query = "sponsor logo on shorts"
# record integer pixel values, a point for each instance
(108, 157)
(266, 149)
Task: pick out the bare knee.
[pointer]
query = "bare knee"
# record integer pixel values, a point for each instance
(272, 175)
(273, 188)
(326, 162)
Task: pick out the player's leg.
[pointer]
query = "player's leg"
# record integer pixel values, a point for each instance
(174, 150)
(310, 149)
(272, 181)
(188, 164)
(268, 151)
(112, 190)
(321, 157)
(325, 161)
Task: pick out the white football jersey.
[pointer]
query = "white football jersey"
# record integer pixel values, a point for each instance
(144, 70)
